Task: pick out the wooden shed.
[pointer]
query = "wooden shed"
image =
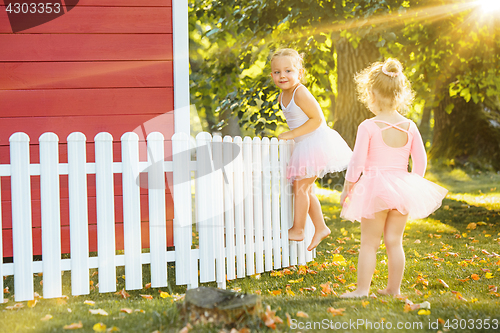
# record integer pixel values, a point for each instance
(100, 66)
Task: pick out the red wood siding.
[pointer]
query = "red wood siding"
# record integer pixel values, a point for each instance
(103, 66)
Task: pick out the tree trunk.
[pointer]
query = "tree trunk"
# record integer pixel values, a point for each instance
(349, 112)
(469, 135)
(233, 127)
(425, 124)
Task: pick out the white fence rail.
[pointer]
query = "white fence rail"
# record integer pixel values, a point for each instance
(243, 208)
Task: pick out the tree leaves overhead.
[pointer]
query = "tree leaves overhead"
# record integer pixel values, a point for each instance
(445, 46)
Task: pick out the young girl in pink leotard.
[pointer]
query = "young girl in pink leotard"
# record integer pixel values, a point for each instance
(318, 148)
(386, 193)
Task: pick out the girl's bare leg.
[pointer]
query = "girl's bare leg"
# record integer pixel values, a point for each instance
(301, 189)
(321, 231)
(393, 239)
(371, 231)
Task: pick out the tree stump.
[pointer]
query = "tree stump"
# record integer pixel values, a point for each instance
(205, 305)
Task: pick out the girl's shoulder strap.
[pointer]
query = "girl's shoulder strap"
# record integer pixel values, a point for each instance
(295, 90)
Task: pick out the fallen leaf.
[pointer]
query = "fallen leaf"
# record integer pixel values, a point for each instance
(489, 276)
(89, 302)
(147, 286)
(302, 314)
(336, 312)
(98, 312)
(164, 294)
(73, 326)
(15, 306)
(365, 303)
(99, 327)
(424, 312)
(443, 283)
(47, 317)
(475, 277)
(126, 310)
(32, 303)
(471, 226)
(296, 281)
(425, 305)
(288, 319)
(123, 293)
(147, 296)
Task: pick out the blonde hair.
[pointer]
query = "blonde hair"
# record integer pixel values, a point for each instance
(297, 58)
(386, 79)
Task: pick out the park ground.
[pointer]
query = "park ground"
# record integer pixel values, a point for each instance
(450, 284)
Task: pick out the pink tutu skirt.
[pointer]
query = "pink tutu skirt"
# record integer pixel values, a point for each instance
(380, 190)
(318, 153)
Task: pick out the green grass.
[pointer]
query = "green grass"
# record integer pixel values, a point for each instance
(438, 247)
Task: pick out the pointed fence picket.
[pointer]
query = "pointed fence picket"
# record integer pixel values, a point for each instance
(243, 210)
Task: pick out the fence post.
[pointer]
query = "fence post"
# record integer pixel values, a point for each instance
(238, 206)
(275, 203)
(293, 244)
(227, 169)
(257, 204)
(131, 210)
(181, 157)
(266, 202)
(21, 216)
(157, 214)
(218, 194)
(51, 216)
(204, 207)
(249, 222)
(286, 213)
(105, 207)
(78, 214)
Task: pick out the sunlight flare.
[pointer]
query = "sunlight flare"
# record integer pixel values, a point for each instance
(489, 6)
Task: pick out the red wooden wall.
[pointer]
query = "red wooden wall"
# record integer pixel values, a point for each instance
(105, 65)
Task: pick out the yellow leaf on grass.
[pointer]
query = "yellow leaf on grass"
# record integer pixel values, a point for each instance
(302, 314)
(424, 312)
(47, 317)
(489, 276)
(288, 319)
(99, 327)
(296, 281)
(98, 312)
(89, 302)
(164, 294)
(472, 226)
(32, 303)
(147, 296)
(336, 312)
(365, 303)
(73, 326)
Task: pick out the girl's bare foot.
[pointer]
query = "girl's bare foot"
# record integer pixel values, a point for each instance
(388, 292)
(318, 237)
(354, 294)
(295, 235)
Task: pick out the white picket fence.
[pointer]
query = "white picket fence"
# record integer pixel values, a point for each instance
(243, 209)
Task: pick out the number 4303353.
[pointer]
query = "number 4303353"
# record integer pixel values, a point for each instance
(32, 8)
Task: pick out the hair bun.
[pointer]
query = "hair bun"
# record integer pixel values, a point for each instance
(392, 67)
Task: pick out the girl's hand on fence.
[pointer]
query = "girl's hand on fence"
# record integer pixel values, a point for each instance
(285, 136)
